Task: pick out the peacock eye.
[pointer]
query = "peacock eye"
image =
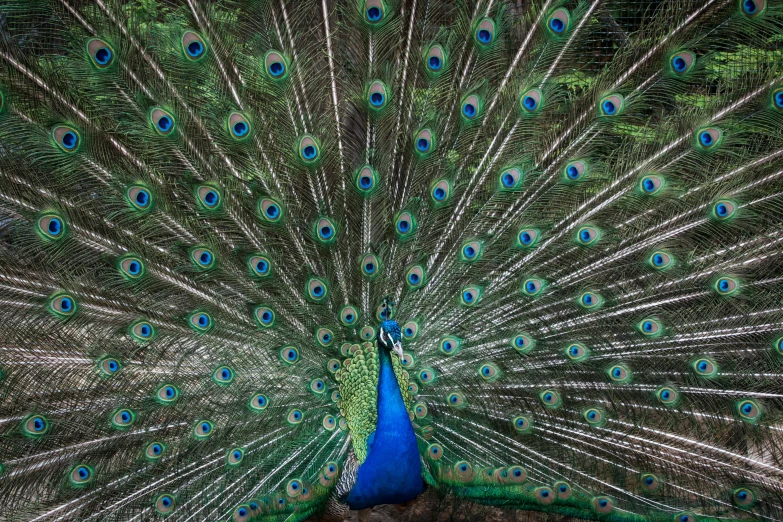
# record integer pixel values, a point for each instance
(295, 416)
(709, 138)
(753, 8)
(650, 327)
(531, 101)
(681, 63)
(705, 367)
(611, 105)
(484, 34)
(275, 65)
(587, 235)
(558, 22)
(271, 211)
(471, 107)
(265, 316)
(201, 322)
(203, 429)
(289, 354)
(100, 52)
(67, 138)
(470, 295)
(724, 210)
(63, 305)
(374, 11)
(532, 286)
(410, 330)
(162, 121)
(619, 373)
(441, 191)
(366, 180)
(511, 178)
(590, 300)
(523, 343)
(435, 59)
(527, 237)
(317, 289)
(415, 276)
(223, 375)
(194, 46)
(377, 95)
(309, 149)
(139, 197)
(651, 185)
(424, 142)
(550, 398)
(575, 170)
(576, 352)
(405, 224)
(563, 490)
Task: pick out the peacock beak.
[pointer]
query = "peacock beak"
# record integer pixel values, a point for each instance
(398, 349)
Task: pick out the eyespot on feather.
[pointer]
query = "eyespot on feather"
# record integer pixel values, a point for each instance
(366, 180)
(200, 322)
(440, 192)
(316, 290)
(275, 65)
(377, 95)
(139, 197)
(193, 46)
(424, 142)
(81, 475)
(63, 305)
(435, 59)
(511, 178)
(223, 375)
(470, 295)
(67, 138)
(239, 126)
(309, 149)
(523, 343)
(203, 429)
(484, 32)
(558, 22)
(258, 402)
(724, 210)
(472, 106)
(415, 277)
(164, 504)
(162, 121)
(108, 366)
(100, 52)
(51, 226)
(575, 170)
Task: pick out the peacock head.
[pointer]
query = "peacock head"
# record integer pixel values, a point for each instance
(390, 336)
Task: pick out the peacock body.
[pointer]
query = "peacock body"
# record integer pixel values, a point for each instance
(277, 260)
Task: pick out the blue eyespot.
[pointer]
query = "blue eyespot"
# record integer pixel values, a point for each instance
(422, 144)
(276, 68)
(609, 107)
(377, 99)
(272, 211)
(749, 7)
(508, 180)
(403, 226)
(103, 55)
(706, 138)
(164, 123)
(365, 182)
(205, 427)
(484, 36)
(195, 49)
(240, 128)
(469, 110)
(557, 25)
(142, 198)
(374, 14)
(434, 63)
(530, 103)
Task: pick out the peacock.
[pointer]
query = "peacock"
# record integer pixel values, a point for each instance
(280, 260)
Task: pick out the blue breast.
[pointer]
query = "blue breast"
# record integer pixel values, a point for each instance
(391, 473)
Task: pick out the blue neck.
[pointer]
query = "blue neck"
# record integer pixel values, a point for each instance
(391, 474)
